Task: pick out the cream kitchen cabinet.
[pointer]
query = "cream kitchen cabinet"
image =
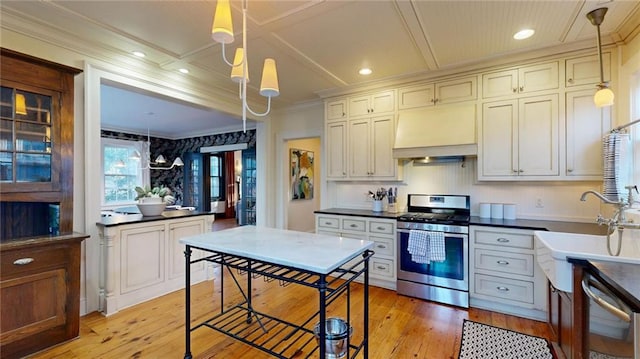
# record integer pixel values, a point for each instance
(144, 260)
(451, 91)
(371, 148)
(585, 70)
(336, 109)
(336, 149)
(519, 139)
(586, 124)
(372, 104)
(504, 275)
(381, 231)
(521, 80)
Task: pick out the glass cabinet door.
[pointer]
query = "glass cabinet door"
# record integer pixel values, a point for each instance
(27, 138)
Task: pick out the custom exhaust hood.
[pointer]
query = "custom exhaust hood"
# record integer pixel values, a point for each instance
(438, 131)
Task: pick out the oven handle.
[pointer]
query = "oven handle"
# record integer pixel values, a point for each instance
(586, 283)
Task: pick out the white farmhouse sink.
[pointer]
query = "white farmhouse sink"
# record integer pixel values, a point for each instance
(553, 249)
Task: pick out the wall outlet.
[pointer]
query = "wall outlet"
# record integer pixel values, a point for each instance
(539, 203)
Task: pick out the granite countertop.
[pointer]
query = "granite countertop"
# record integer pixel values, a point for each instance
(538, 225)
(622, 277)
(317, 253)
(120, 218)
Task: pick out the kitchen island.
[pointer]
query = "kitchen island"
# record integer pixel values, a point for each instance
(317, 261)
(141, 258)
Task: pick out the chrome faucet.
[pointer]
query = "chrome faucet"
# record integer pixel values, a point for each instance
(602, 198)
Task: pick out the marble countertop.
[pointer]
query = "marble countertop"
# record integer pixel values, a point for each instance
(539, 225)
(309, 251)
(623, 277)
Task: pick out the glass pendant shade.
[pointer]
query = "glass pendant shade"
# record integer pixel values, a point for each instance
(21, 104)
(604, 97)
(237, 71)
(222, 29)
(269, 85)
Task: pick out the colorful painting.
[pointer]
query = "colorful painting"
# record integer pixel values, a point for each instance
(301, 174)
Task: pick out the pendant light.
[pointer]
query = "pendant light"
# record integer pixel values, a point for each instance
(222, 32)
(604, 96)
(160, 160)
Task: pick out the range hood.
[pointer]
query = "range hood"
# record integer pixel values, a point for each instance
(437, 131)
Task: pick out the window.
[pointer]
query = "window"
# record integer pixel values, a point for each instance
(121, 174)
(216, 165)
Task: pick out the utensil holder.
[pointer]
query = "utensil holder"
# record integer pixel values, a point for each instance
(377, 205)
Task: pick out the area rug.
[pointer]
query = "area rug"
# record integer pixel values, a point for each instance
(485, 341)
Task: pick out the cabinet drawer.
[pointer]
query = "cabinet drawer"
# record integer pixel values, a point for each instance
(381, 227)
(382, 246)
(24, 261)
(503, 289)
(328, 222)
(381, 267)
(354, 225)
(504, 239)
(513, 263)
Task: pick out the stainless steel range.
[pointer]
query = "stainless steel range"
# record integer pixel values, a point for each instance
(440, 281)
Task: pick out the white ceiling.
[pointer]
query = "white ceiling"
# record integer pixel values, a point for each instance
(318, 45)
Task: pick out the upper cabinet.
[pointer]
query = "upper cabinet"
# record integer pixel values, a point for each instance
(585, 70)
(336, 149)
(522, 80)
(36, 138)
(336, 109)
(370, 148)
(374, 104)
(451, 91)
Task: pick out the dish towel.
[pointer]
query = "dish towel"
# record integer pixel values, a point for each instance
(418, 246)
(436, 247)
(614, 152)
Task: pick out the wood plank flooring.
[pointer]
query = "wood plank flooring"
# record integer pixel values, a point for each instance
(399, 326)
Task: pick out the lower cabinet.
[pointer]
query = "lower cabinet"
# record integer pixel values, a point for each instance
(40, 295)
(141, 261)
(504, 276)
(382, 266)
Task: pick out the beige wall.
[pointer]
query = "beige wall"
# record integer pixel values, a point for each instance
(300, 215)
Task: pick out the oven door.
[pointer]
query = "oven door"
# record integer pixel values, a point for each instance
(453, 272)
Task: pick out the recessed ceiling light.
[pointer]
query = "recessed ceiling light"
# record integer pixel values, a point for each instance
(365, 71)
(523, 34)
(139, 53)
(184, 71)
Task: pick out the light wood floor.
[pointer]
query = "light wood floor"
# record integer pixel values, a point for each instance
(400, 327)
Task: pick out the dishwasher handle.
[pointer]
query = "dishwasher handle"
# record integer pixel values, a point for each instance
(586, 287)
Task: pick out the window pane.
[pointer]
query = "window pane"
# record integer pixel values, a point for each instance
(6, 135)
(6, 167)
(33, 167)
(33, 137)
(6, 98)
(121, 173)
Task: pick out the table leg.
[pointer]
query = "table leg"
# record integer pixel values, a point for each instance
(322, 286)
(187, 302)
(366, 306)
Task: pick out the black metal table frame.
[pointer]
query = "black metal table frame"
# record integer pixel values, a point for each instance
(230, 321)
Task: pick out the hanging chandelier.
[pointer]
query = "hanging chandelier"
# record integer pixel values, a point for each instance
(604, 96)
(222, 32)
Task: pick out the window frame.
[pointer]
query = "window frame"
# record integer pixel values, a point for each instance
(143, 175)
(221, 176)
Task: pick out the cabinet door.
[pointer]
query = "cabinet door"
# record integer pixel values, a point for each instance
(336, 110)
(336, 145)
(585, 70)
(416, 96)
(383, 136)
(359, 148)
(139, 271)
(456, 90)
(382, 102)
(499, 139)
(586, 124)
(538, 136)
(176, 249)
(359, 106)
(500, 83)
(538, 77)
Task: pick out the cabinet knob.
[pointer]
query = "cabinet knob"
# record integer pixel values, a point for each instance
(515, 90)
(380, 228)
(327, 223)
(381, 246)
(502, 289)
(432, 100)
(353, 226)
(344, 173)
(23, 261)
(520, 171)
(515, 171)
(502, 262)
(435, 100)
(521, 88)
(569, 170)
(502, 240)
(570, 81)
(381, 268)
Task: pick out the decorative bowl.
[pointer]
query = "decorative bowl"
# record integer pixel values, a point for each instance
(151, 209)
